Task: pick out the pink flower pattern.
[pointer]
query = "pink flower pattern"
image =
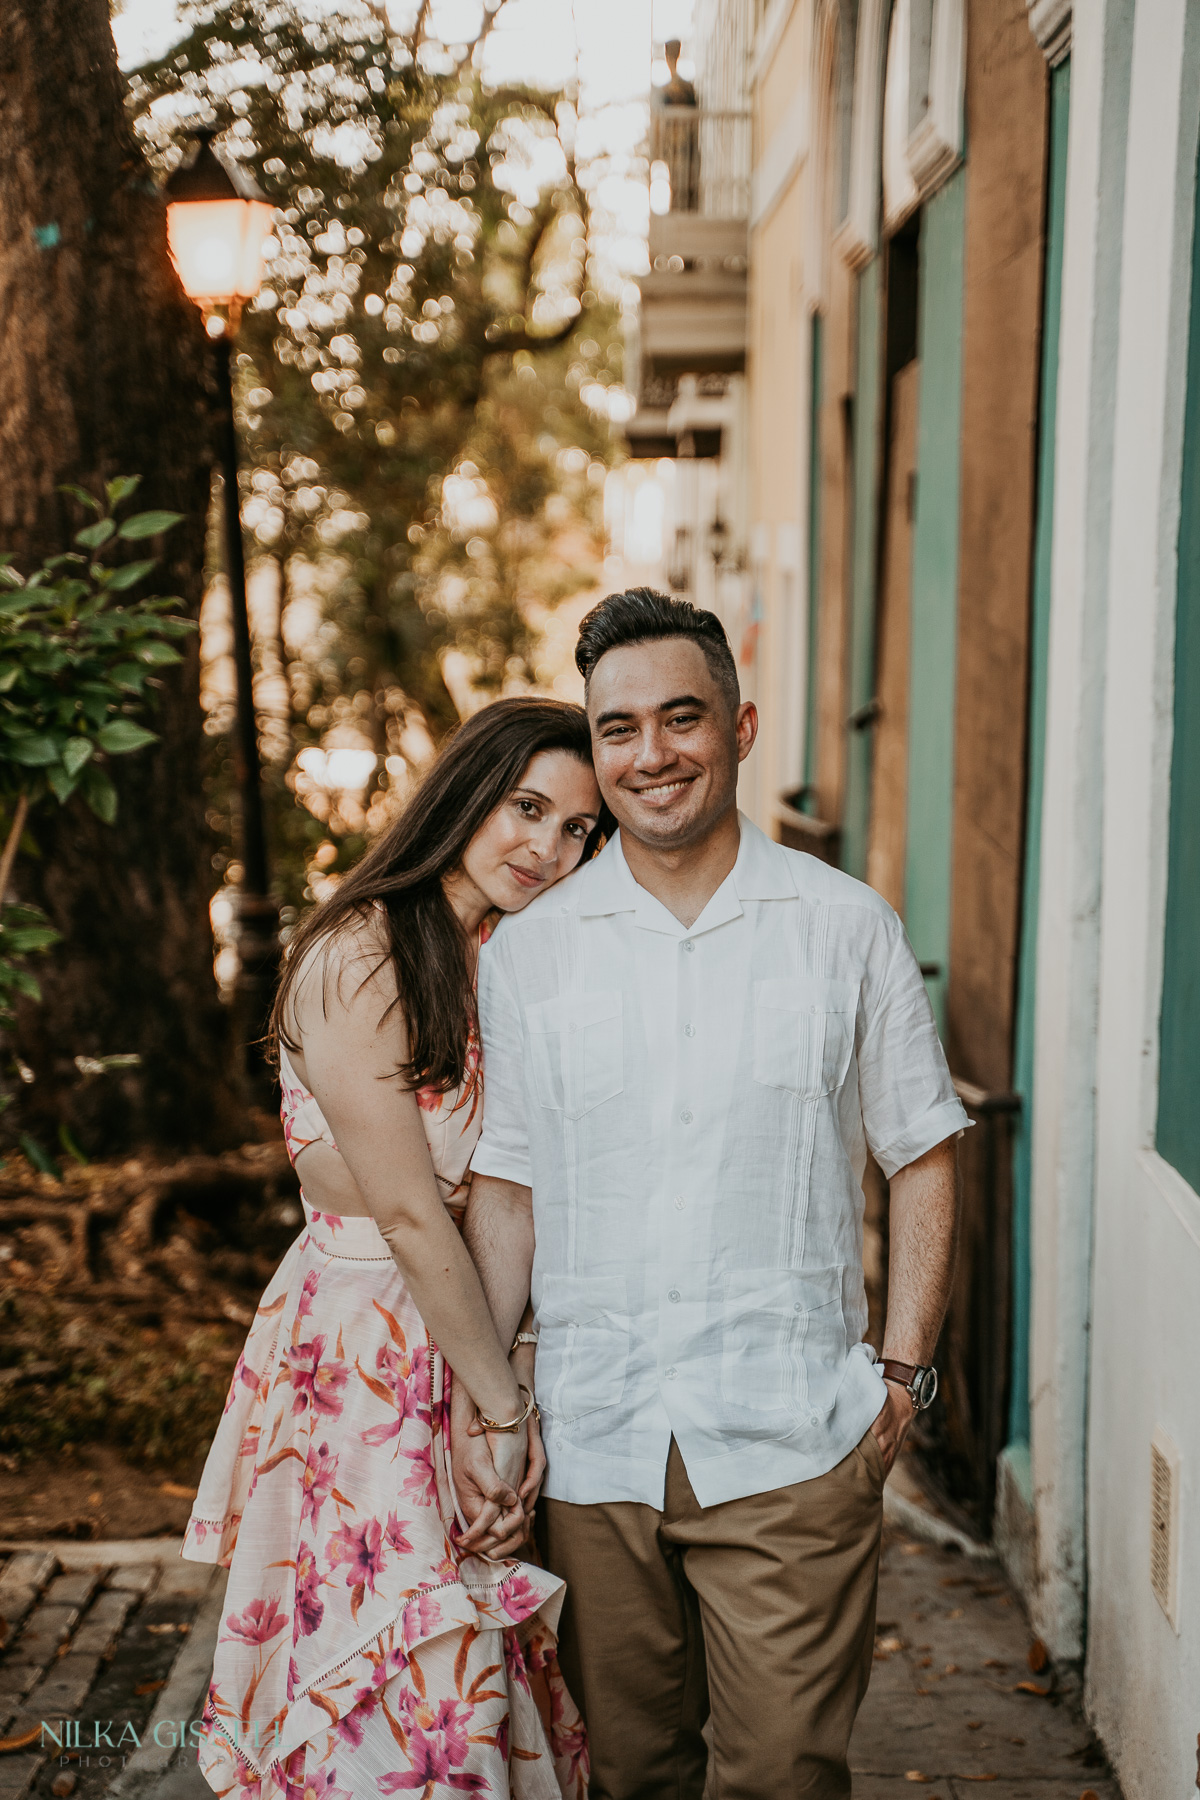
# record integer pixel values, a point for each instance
(356, 1633)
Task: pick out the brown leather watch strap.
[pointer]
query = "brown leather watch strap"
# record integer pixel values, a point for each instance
(904, 1373)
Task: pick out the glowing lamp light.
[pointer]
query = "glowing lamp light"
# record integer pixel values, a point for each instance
(218, 221)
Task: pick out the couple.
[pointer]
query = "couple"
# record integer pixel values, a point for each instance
(688, 1047)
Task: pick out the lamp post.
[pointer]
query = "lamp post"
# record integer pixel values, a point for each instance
(217, 224)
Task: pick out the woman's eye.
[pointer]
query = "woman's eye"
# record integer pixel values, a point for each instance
(528, 807)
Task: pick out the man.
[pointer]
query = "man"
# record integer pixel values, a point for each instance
(689, 1046)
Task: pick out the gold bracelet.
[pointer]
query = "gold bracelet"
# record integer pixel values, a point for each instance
(512, 1425)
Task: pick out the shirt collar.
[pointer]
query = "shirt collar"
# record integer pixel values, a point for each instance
(761, 872)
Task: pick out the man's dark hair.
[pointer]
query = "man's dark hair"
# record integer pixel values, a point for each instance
(640, 616)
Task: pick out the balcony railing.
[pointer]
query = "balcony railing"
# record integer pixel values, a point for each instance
(699, 162)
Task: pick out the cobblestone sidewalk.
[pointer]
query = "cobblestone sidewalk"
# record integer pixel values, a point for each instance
(120, 1638)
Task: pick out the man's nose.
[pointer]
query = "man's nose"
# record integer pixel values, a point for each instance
(654, 752)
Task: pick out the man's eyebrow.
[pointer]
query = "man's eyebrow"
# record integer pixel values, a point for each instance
(693, 700)
(536, 794)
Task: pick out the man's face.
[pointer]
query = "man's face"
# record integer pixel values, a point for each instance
(666, 742)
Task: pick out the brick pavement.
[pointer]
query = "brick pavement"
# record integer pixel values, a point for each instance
(954, 1708)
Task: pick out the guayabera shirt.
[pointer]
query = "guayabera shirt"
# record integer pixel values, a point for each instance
(692, 1109)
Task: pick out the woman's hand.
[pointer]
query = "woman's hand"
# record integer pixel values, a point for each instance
(495, 1517)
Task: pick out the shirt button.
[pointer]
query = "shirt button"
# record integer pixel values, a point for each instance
(673, 1296)
(686, 1116)
(796, 1306)
(671, 1374)
(689, 1030)
(678, 1203)
(688, 944)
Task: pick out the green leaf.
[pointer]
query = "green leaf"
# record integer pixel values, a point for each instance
(121, 488)
(129, 573)
(149, 524)
(122, 735)
(61, 785)
(24, 983)
(92, 536)
(76, 752)
(33, 750)
(70, 593)
(100, 794)
(8, 675)
(27, 938)
(82, 495)
(159, 654)
(64, 1135)
(131, 676)
(42, 1162)
(11, 579)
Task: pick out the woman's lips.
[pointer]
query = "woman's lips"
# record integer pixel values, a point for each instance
(526, 877)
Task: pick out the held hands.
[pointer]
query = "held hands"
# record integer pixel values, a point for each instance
(498, 1476)
(891, 1426)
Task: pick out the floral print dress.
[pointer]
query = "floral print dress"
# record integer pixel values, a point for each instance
(361, 1652)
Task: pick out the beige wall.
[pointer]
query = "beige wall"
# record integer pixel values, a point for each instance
(777, 378)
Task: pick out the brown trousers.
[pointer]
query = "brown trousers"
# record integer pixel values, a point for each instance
(761, 1611)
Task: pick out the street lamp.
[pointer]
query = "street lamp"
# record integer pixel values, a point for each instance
(217, 225)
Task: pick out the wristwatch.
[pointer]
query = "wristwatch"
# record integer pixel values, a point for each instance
(920, 1384)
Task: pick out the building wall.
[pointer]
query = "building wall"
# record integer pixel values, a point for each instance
(1143, 1671)
(772, 650)
(1006, 99)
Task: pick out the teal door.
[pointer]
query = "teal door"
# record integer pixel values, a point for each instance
(934, 596)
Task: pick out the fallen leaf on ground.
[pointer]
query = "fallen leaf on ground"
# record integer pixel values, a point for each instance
(974, 1724)
(913, 1550)
(1091, 1794)
(891, 1643)
(1039, 1656)
(957, 1613)
(993, 1662)
(149, 1687)
(22, 1741)
(921, 1690)
(916, 1775)
(1031, 1687)
(950, 1669)
(64, 1784)
(176, 1490)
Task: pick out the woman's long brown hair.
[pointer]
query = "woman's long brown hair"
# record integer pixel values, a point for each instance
(480, 766)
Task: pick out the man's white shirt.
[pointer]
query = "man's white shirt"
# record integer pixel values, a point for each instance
(692, 1110)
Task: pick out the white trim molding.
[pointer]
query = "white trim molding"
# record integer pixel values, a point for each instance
(1050, 23)
(936, 140)
(858, 238)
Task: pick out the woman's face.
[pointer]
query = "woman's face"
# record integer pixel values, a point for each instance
(537, 835)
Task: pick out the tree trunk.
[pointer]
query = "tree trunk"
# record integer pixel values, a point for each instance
(103, 372)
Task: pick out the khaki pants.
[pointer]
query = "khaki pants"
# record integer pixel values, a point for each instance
(762, 1609)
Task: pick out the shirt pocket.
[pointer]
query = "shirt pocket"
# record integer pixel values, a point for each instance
(783, 1344)
(577, 1051)
(583, 1345)
(804, 1034)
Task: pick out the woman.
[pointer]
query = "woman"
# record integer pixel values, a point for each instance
(370, 1644)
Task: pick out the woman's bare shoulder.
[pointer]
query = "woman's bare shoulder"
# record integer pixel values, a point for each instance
(343, 970)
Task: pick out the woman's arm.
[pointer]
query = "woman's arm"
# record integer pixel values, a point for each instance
(351, 1054)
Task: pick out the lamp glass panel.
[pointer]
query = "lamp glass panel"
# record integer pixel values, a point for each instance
(217, 247)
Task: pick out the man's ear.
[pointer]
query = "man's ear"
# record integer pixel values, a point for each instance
(746, 727)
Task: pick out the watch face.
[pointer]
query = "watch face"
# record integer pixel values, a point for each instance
(925, 1387)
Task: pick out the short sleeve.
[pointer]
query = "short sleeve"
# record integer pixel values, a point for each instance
(905, 1091)
(503, 1147)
